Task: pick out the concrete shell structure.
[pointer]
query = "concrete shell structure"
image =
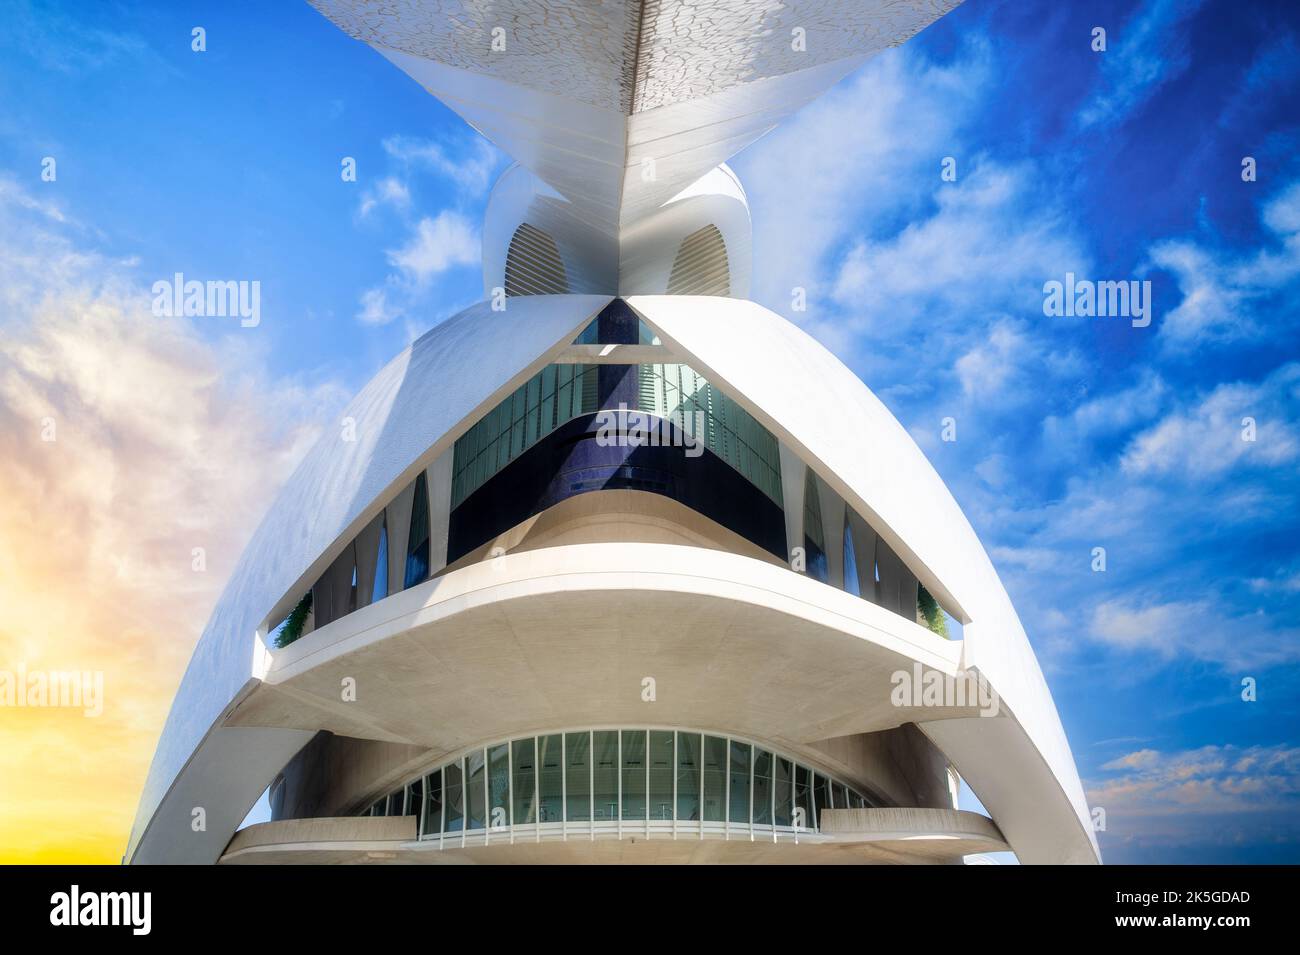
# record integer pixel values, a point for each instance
(615, 565)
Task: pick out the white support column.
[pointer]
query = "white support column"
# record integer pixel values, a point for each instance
(367, 558)
(832, 532)
(438, 476)
(793, 475)
(864, 552)
(399, 528)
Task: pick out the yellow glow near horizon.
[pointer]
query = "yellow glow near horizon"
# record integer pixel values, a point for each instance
(126, 441)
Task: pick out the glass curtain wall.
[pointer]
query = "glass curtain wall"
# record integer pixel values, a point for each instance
(596, 778)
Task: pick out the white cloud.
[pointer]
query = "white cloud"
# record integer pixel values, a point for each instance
(163, 441)
(1198, 630)
(852, 167)
(988, 244)
(1107, 415)
(1208, 779)
(388, 191)
(1208, 439)
(1222, 291)
(1147, 52)
(375, 309)
(471, 169)
(436, 245)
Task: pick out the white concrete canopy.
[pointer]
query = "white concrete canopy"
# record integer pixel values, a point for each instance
(584, 94)
(848, 837)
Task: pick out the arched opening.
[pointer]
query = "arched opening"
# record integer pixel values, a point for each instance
(701, 265)
(533, 264)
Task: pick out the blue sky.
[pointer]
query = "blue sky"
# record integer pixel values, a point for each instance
(1073, 433)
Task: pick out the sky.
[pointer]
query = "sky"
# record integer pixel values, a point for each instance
(1072, 433)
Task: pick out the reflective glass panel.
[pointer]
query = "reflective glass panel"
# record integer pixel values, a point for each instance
(822, 797)
(417, 551)
(525, 780)
(783, 784)
(499, 786)
(551, 778)
(688, 776)
(475, 801)
(634, 774)
(380, 588)
(415, 798)
(577, 777)
(661, 774)
(433, 804)
(739, 793)
(803, 797)
(454, 796)
(605, 798)
(715, 779)
(762, 788)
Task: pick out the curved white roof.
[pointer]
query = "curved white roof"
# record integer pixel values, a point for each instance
(417, 405)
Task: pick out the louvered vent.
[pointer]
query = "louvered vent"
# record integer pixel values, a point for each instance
(533, 264)
(701, 265)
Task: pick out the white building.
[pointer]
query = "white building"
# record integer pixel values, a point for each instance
(517, 627)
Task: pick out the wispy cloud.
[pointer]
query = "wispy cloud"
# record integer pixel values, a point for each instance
(388, 191)
(437, 244)
(1222, 796)
(1196, 630)
(432, 244)
(1142, 55)
(468, 163)
(1237, 424)
(1223, 289)
(126, 442)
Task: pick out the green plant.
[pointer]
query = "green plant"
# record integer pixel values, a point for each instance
(930, 610)
(294, 623)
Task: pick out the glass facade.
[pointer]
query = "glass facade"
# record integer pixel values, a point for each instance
(417, 549)
(814, 541)
(556, 394)
(680, 393)
(379, 589)
(559, 393)
(620, 778)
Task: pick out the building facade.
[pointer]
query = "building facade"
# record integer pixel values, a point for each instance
(616, 565)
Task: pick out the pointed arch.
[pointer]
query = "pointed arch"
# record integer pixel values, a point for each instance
(533, 264)
(701, 266)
